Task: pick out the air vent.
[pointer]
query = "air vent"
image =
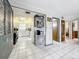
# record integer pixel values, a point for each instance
(27, 12)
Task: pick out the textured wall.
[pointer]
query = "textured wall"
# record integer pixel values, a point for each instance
(6, 40)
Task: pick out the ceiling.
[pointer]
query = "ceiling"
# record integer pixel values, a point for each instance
(50, 7)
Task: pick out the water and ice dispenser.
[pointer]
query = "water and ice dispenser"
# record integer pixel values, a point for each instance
(39, 30)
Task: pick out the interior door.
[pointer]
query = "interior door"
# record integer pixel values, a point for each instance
(62, 30)
(55, 30)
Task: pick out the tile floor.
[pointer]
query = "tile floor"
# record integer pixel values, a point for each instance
(24, 49)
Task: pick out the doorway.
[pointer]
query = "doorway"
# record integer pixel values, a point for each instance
(23, 21)
(71, 30)
(66, 30)
(75, 29)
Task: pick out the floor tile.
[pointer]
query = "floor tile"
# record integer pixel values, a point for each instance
(25, 49)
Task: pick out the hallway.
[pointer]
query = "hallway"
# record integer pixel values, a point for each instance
(39, 29)
(24, 49)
